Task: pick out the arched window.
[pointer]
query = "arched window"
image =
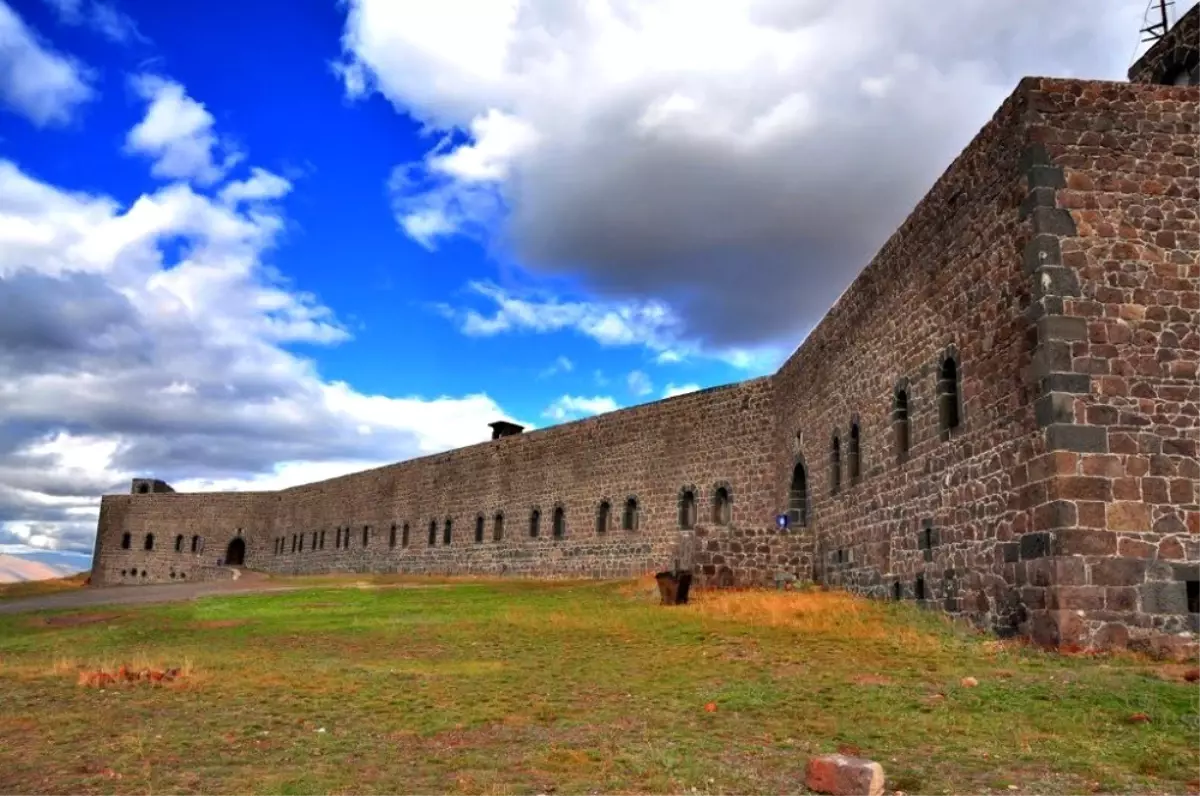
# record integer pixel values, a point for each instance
(293, 543)
(337, 538)
(855, 465)
(179, 543)
(432, 533)
(559, 528)
(722, 506)
(126, 541)
(300, 541)
(149, 544)
(315, 538)
(479, 529)
(446, 532)
(798, 497)
(835, 465)
(197, 544)
(919, 587)
(535, 521)
(687, 509)
(392, 536)
(321, 539)
(629, 518)
(366, 535)
(603, 516)
(404, 535)
(949, 400)
(498, 527)
(900, 421)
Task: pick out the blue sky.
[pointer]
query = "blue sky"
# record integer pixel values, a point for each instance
(251, 244)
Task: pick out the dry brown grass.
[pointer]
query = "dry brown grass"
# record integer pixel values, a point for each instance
(813, 613)
(33, 588)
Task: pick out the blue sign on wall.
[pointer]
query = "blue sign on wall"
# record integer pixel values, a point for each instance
(781, 520)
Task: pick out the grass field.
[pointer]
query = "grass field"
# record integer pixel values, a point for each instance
(421, 686)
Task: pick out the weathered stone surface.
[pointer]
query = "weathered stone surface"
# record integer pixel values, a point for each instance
(844, 776)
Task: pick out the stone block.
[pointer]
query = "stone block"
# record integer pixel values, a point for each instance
(1119, 572)
(1128, 516)
(1083, 542)
(1164, 597)
(840, 775)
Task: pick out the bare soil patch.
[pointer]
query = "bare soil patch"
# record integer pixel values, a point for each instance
(72, 620)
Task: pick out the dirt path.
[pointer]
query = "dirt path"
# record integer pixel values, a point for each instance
(132, 595)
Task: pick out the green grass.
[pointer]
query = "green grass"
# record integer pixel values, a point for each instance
(526, 687)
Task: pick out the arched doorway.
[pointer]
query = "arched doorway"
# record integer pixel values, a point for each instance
(235, 555)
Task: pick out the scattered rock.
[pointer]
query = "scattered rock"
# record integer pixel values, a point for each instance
(839, 775)
(969, 682)
(711, 707)
(1192, 675)
(1138, 718)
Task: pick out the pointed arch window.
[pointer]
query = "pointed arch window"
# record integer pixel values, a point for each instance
(798, 497)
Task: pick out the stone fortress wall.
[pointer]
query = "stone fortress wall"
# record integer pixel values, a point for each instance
(1011, 384)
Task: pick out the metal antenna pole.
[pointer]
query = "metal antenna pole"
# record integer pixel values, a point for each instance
(1156, 30)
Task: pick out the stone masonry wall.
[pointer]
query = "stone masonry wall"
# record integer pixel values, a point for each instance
(1178, 49)
(1118, 197)
(718, 438)
(938, 523)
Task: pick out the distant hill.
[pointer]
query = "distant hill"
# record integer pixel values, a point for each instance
(18, 569)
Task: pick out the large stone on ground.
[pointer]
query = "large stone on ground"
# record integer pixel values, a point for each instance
(840, 775)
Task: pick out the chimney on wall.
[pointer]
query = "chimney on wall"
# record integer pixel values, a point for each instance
(503, 428)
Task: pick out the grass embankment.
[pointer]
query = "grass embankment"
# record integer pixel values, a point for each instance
(35, 588)
(524, 687)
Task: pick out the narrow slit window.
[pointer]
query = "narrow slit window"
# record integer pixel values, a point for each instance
(179, 543)
(498, 527)
(404, 535)
(629, 518)
(535, 520)
(722, 507)
(366, 535)
(392, 536)
(835, 466)
(603, 517)
(446, 530)
(479, 529)
(560, 522)
(900, 422)
(126, 541)
(948, 395)
(687, 510)
(855, 463)
(149, 543)
(432, 533)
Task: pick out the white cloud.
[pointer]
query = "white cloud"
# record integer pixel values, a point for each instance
(639, 383)
(570, 407)
(119, 360)
(262, 185)
(177, 133)
(696, 154)
(647, 323)
(561, 365)
(43, 85)
(672, 390)
(105, 18)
